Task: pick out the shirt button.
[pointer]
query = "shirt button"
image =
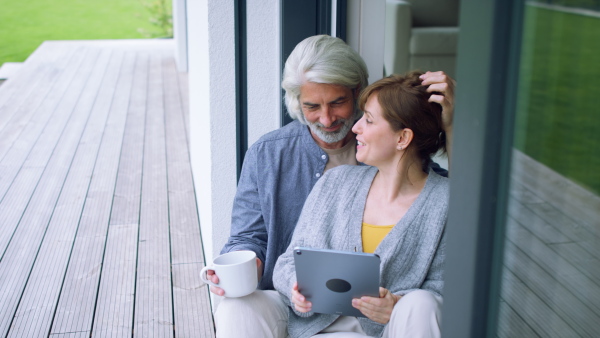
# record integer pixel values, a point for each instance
(324, 157)
(318, 175)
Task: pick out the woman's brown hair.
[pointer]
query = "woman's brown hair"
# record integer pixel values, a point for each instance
(404, 102)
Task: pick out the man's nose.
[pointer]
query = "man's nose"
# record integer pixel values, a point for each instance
(326, 118)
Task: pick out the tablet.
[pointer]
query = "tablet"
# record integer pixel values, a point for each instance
(330, 279)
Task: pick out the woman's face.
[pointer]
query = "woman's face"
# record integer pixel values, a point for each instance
(376, 141)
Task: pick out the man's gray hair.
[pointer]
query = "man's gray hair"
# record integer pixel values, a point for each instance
(321, 59)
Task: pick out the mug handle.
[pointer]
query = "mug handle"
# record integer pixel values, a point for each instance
(204, 277)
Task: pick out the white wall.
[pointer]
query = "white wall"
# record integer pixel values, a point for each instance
(180, 34)
(211, 55)
(211, 47)
(365, 28)
(264, 67)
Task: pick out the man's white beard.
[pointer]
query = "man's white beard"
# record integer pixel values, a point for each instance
(331, 137)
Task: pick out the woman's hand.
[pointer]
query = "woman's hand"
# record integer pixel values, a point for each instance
(300, 302)
(377, 309)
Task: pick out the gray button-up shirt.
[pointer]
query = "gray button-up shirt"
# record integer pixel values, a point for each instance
(279, 172)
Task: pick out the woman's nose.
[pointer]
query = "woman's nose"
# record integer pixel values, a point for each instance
(355, 128)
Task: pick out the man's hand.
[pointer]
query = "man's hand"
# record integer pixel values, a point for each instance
(300, 302)
(443, 88)
(377, 309)
(212, 276)
(259, 268)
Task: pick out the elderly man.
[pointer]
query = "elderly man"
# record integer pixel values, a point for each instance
(322, 79)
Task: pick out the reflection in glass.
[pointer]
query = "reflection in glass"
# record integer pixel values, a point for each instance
(551, 275)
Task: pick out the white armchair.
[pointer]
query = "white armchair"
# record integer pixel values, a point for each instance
(421, 34)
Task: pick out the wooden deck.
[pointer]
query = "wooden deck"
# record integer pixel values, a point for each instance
(99, 231)
(551, 279)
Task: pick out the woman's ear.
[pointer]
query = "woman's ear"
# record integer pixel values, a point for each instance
(405, 137)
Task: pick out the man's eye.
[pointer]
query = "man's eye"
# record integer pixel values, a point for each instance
(368, 121)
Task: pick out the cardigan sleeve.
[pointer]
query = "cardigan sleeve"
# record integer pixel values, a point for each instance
(434, 281)
(309, 225)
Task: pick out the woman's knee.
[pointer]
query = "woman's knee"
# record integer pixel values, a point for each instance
(420, 300)
(417, 314)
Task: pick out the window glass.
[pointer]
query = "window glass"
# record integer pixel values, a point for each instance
(551, 274)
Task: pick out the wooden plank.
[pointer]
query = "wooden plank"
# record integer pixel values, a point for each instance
(534, 311)
(19, 110)
(19, 98)
(44, 131)
(185, 101)
(580, 258)
(547, 232)
(193, 317)
(560, 299)
(126, 204)
(82, 334)
(44, 58)
(510, 324)
(567, 246)
(543, 269)
(19, 256)
(78, 299)
(153, 299)
(115, 307)
(577, 233)
(39, 300)
(116, 294)
(185, 224)
(574, 201)
(550, 223)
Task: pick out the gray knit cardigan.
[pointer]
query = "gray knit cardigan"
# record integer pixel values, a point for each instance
(412, 254)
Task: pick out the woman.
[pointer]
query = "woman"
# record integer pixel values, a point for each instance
(395, 207)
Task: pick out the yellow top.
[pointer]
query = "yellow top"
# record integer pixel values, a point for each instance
(372, 235)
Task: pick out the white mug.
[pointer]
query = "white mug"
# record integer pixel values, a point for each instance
(236, 271)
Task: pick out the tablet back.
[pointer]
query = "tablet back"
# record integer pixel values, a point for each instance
(330, 279)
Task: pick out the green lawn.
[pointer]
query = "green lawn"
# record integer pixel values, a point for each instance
(558, 113)
(25, 24)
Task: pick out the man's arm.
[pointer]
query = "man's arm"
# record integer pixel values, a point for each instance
(442, 86)
(248, 229)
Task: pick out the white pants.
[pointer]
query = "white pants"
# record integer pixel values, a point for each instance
(417, 314)
(261, 314)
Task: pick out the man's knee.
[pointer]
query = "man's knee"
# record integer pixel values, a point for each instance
(244, 307)
(260, 314)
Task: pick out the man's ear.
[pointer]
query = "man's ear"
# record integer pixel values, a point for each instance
(405, 137)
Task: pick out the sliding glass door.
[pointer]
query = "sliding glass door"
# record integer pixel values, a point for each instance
(551, 263)
(524, 227)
